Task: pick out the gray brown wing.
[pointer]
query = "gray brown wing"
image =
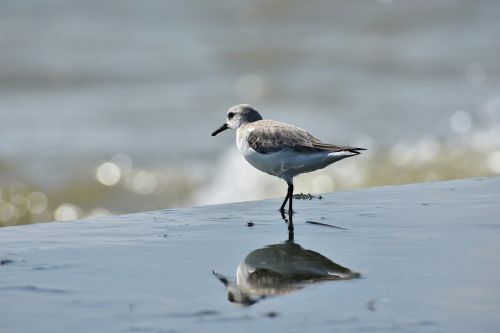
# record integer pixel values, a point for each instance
(271, 136)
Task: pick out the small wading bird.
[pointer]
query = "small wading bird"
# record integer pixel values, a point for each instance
(279, 149)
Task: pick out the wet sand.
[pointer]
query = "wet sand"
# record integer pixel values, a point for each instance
(427, 255)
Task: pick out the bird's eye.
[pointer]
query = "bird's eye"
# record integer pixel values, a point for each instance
(230, 115)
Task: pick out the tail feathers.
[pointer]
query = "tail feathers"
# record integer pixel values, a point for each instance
(337, 149)
(343, 154)
(335, 156)
(356, 151)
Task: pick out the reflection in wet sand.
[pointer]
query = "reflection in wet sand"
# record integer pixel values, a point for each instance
(280, 269)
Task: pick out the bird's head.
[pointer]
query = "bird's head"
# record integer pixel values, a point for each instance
(234, 294)
(239, 115)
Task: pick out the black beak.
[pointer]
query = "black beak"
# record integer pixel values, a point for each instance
(220, 129)
(221, 278)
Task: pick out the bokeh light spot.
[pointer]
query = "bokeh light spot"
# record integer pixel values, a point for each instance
(475, 73)
(37, 202)
(494, 161)
(124, 162)
(98, 212)
(108, 174)
(144, 183)
(18, 199)
(6, 211)
(66, 212)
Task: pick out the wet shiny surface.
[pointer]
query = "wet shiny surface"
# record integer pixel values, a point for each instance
(107, 107)
(280, 269)
(428, 255)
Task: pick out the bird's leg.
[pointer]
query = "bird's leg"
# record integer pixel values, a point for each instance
(282, 209)
(289, 196)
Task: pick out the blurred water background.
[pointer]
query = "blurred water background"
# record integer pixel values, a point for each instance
(107, 107)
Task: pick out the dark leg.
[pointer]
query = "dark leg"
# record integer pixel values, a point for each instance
(289, 196)
(282, 209)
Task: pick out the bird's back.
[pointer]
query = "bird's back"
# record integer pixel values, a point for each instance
(269, 136)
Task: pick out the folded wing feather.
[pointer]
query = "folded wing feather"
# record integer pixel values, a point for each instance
(272, 136)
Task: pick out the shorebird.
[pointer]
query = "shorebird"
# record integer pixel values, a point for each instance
(280, 149)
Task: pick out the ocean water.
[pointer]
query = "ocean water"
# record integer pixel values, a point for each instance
(107, 107)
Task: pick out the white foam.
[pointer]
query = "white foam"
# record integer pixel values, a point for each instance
(236, 180)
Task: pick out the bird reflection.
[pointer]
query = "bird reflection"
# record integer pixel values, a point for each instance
(280, 269)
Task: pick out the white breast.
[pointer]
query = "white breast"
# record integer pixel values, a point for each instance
(242, 140)
(264, 162)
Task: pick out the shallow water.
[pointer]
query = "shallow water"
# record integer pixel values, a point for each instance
(142, 85)
(427, 255)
